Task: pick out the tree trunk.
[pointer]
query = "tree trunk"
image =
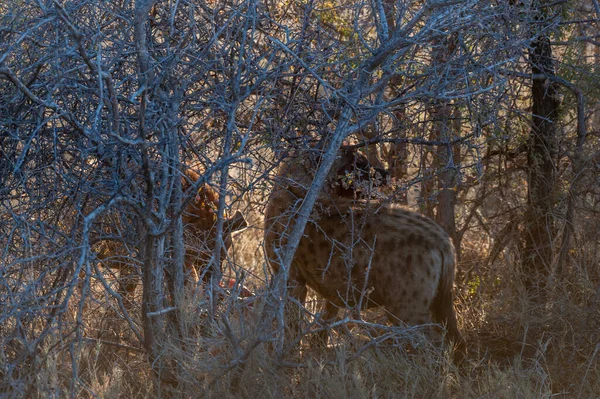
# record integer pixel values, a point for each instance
(445, 159)
(396, 154)
(540, 230)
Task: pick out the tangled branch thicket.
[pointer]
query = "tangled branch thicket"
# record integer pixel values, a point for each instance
(105, 106)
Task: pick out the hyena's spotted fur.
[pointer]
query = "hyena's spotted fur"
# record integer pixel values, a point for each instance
(365, 253)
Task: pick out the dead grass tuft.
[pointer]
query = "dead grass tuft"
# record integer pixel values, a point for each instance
(518, 348)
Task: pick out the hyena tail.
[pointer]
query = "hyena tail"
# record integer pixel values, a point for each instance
(442, 307)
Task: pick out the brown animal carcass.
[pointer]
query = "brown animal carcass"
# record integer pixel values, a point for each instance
(200, 227)
(200, 232)
(364, 253)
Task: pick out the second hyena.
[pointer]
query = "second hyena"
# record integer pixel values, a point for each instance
(365, 253)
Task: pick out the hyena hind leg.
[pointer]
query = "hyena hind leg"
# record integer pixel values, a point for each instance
(328, 315)
(443, 313)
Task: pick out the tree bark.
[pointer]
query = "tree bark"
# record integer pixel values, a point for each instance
(447, 156)
(447, 160)
(540, 230)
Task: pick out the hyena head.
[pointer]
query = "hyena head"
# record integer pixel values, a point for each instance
(366, 253)
(352, 175)
(200, 226)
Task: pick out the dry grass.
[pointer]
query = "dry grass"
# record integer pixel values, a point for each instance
(518, 349)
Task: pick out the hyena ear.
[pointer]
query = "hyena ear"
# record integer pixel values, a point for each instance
(236, 223)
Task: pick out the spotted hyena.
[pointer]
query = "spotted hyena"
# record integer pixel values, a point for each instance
(364, 253)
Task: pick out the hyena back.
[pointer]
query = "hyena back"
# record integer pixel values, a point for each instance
(404, 261)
